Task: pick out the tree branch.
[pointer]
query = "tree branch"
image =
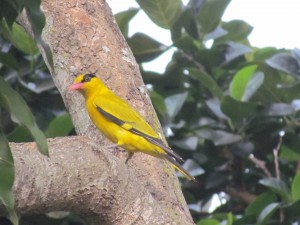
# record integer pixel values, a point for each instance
(275, 154)
(261, 165)
(245, 196)
(84, 179)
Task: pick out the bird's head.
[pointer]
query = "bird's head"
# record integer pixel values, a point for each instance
(85, 83)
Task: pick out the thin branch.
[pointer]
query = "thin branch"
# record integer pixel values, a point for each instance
(298, 166)
(275, 153)
(261, 165)
(243, 195)
(277, 170)
(191, 59)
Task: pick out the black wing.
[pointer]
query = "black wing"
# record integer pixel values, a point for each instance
(128, 126)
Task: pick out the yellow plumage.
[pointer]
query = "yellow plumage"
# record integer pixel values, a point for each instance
(120, 123)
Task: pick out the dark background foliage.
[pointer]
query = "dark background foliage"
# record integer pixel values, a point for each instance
(230, 109)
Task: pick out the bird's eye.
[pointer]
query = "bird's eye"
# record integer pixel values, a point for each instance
(87, 78)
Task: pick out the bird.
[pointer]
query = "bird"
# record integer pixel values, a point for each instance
(121, 124)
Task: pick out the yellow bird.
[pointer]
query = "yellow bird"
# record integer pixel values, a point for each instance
(121, 124)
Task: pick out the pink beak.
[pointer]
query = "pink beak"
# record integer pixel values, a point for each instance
(76, 86)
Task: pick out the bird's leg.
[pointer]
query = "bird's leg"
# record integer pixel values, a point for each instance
(114, 148)
(129, 156)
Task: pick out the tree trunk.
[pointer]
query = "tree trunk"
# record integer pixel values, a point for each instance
(84, 37)
(96, 185)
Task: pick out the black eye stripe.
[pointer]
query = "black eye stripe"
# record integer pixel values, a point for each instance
(87, 77)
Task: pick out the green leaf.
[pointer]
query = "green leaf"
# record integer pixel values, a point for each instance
(145, 48)
(230, 219)
(210, 14)
(237, 110)
(237, 30)
(245, 219)
(292, 210)
(184, 25)
(285, 62)
(7, 176)
(235, 50)
(60, 126)
(37, 21)
(21, 114)
(296, 188)
(9, 60)
(35, 15)
(158, 102)
(19, 38)
(123, 19)
(293, 142)
(260, 202)
(243, 149)
(170, 80)
(187, 43)
(208, 221)
(187, 143)
(216, 33)
(280, 109)
(264, 53)
(267, 213)
(192, 167)
(214, 105)
(206, 80)
(240, 82)
(20, 134)
(162, 13)
(253, 85)
(210, 58)
(278, 186)
(9, 12)
(215, 179)
(23, 41)
(219, 137)
(289, 154)
(174, 103)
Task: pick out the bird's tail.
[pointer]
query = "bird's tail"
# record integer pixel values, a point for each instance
(179, 168)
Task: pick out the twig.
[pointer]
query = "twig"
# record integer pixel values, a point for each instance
(277, 171)
(298, 166)
(191, 59)
(275, 153)
(260, 164)
(245, 196)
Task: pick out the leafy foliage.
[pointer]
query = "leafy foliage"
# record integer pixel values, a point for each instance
(7, 175)
(23, 75)
(231, 109)
(145, 47)
(20, 114)
(163, 13)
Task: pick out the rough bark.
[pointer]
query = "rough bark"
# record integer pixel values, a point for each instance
(96, 185)
(84, 37)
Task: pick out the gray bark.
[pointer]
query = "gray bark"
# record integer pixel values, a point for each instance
(83, 178)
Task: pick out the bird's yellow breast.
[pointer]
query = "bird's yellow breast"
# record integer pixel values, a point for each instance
(109, 129)
(118, 135)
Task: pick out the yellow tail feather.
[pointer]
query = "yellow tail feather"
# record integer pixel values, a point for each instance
(180, 168)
